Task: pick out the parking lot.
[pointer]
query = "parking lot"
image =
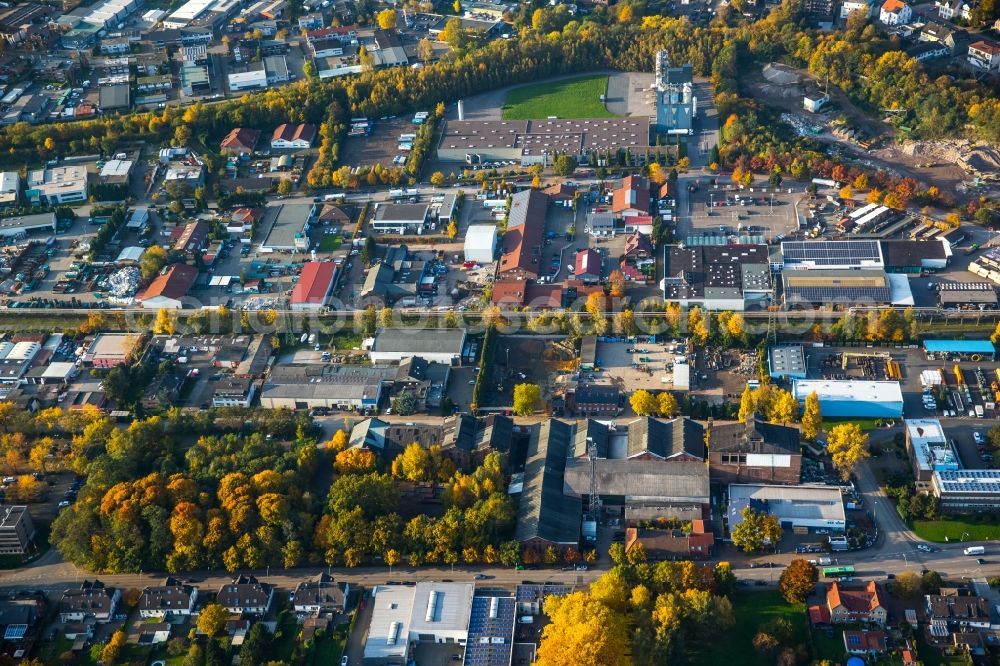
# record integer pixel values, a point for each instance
(381, 146)
(724, 209)
(634, 366)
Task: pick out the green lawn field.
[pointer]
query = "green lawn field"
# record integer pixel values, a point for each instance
(954, 528)
(573, 98)
(753, 609)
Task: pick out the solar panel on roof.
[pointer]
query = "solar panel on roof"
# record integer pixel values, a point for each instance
(831, 253)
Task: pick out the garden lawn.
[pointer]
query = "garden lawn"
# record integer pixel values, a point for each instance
(932, 656)
(953, 528)
(330, 243)
(573, 98)
(753, 609)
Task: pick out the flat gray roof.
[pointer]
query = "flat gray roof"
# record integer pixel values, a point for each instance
(533, 137)
(388, 212)
(786, 359)
(28, 222)
(289, 223)
(415, 341)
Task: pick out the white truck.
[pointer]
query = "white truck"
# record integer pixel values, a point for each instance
(974, 550)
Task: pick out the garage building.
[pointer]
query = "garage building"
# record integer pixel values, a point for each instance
(965, 349)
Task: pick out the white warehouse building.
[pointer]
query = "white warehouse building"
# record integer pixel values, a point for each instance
(811, 506)
(481, 243)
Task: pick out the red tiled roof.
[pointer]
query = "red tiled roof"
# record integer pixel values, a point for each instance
(175, 283)
(508, 292)
(990, 48)
(543, 295)
(241, 138)
(855, 601)
(867, 641)
(288, 132)
(192, 236)
(632, 195)
(588, 262)
(893, 6)
(819, 614)
(314, 282)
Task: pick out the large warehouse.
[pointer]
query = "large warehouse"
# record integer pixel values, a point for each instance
(859, 286)
(812, 506)
(481, 243)
(312, 291)
(717, 277)
(404, 616)
(852, 398)
(14, 227)
(530, 142)
(395, 344)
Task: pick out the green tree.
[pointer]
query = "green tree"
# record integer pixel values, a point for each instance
(285, 187)
(152, 262)
(526, 399)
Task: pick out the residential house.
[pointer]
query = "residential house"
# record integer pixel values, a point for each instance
(672, 544)
(846, 605)
(246, 596)
(956, 609)
(19, 616)
(638, 257)
(754, 451)
(985, 54)
(895, 12)
(850, 6)
(588, 265)
(91, 601)
(240, 141)
(868, 643)
(322, 594)
(287, 136)
(942, 32)
(631, 197)
(171, 599)
(952, 9)
(150, 633)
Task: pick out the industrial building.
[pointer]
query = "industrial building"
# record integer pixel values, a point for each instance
(787, 361)
(481, 243)
(57, 185)
(651, 468)
(754, 451)
(894, 256)
(545, 515)
(343, 387)
(676, 103)
(312, 291)
(404, 616)
(521, 249)
(18, 227)
(168, 289)
(10, 188)
(967, 490)
(852, 398)
(717, 277)
(289, 228)
(400, 218)
(929, 451)
(528, 142)
(810, 506)
(967, 296)
(109, 350)
(395, 344)
(844, 287)
(972, 350)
